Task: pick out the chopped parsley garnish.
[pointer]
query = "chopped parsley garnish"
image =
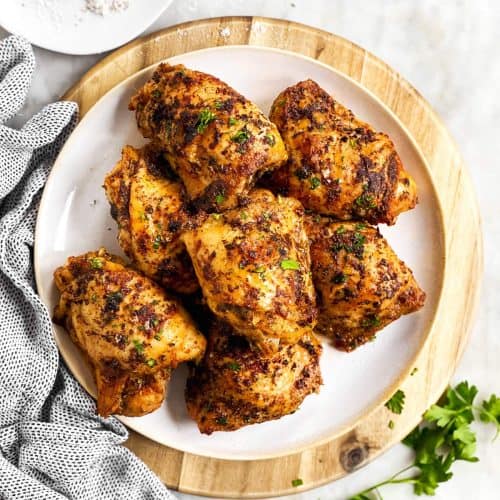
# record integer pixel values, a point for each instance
(156, 94)
(95, 263)
(370, 322)
(157, 242)
(360, 226)
(241, 136)
(359, 241)
(219, 199)
(365, 200)
(397, 402)
(353, 142)
(216, 216)
(270, 139)
(415, 370)
(139, 346)
(315, 182)
(218, 105)
(340, 230)
(151, 362)
(234, 366)
(243, 215)
(221, 420)
(204, 118)
(232, 121)
(297, 482)
(290, 264)
(355, 246)
(391, 424)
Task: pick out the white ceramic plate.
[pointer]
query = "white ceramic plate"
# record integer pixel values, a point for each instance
(65, 26)
(74, 218)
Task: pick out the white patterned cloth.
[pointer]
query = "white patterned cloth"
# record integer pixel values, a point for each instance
(52, 444)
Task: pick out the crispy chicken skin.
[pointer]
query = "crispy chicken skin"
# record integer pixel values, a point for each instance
(361, 284)
(130, 330)
(217, 141)
(338, 165)
(148, 204)
(237, 385)
(253, 267)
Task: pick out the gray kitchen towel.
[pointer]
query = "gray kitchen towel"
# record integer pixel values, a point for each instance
(52, 444)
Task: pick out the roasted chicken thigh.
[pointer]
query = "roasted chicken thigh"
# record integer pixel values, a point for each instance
(361, 283)
(253, 266)
(338, 165)
(237, 385)
(131, 331)
(148, 203)
(217, 141)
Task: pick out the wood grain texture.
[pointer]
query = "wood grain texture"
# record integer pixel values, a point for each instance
(447, 334)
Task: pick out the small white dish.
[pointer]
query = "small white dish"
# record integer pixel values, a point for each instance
(66, 26)
(74, 218)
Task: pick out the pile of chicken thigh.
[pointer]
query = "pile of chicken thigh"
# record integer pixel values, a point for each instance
(248, 237)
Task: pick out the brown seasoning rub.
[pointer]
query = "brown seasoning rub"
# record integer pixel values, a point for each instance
(237, 385)
(253, 266)
(361, 284)
(130, 330)
(338, 165)
(218, 142)
(149, 204)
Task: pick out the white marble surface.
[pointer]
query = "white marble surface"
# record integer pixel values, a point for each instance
(448, 49)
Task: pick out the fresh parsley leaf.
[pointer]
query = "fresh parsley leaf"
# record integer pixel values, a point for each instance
(219, 199)
(241, 136)
(290, 264)
(204, 118)
(139, 346)
(235, 367)
(490, 412)
(297, 482)
(315, 182)
(442, 416)
(95, 263)
(397, 402)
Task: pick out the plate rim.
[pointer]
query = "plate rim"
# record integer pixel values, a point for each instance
(391, 388)
(261, 478)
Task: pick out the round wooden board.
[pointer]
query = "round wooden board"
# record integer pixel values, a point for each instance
(462, 267)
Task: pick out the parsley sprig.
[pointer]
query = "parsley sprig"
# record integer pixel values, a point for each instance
(397, 402)
(444, 436)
